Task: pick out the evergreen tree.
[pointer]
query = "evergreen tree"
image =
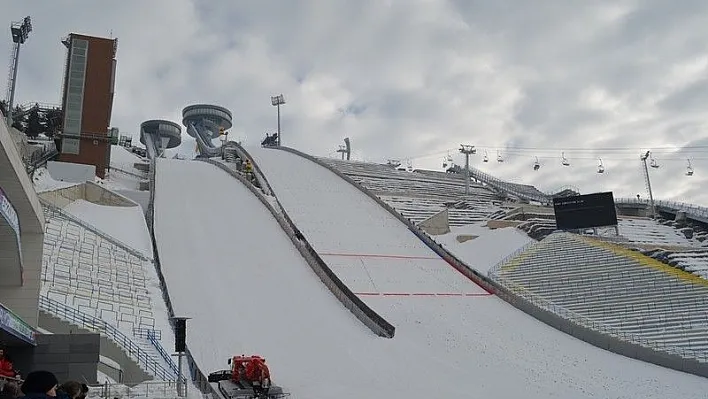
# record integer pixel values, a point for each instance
(53, 119)
(34, 124)
(19, 123)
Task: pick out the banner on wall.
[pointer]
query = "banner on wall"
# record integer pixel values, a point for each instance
(12, 323)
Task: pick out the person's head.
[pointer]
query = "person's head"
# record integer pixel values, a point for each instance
(40, 381)
(72, 389)
(11, 389)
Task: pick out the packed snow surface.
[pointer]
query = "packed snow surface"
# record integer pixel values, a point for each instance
(649, 231)
(471, 346)
(482, 247)
(126, 224)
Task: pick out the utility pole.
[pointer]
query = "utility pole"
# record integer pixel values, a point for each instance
(467, 150)
(277, 101)
(643, 158)
(20, 31)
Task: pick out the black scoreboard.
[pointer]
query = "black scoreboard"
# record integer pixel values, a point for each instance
(584, 211)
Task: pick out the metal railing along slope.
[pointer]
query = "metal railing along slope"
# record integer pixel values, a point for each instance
(83, 320)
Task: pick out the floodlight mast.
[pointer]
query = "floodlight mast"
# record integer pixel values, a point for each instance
(20, 32)
(277, 101)
(643, 158)
(467, 150)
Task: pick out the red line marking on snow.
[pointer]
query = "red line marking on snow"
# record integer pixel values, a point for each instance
(443, 294)
(381, 256)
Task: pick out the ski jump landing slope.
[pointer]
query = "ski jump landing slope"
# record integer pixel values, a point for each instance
(230, 267)
(473, 344)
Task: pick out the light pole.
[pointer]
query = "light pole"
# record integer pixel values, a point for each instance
(643, 158)
(277, 101)
(180, 327)
(20, 31)
(467, 150)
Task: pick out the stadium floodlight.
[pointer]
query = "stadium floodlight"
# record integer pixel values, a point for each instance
(20, 32)
(277, 101)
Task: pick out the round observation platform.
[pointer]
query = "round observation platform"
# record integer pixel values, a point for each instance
(161, 130)
(199, 113)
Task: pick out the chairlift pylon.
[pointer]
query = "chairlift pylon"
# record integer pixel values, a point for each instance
(564, 160)
(600, 167)
(689, 168)
(536, 165)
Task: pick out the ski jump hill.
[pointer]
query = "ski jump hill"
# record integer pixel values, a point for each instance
(321, 267)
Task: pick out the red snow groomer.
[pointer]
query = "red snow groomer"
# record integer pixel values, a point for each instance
(248, 378)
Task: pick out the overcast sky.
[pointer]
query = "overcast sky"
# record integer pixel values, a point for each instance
(412, 79)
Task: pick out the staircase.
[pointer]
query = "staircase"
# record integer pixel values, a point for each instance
(141, 358)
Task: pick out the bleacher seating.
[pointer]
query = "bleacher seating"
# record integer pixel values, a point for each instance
(693, 261)
(94, 275)
(618, 290)
(421, 194)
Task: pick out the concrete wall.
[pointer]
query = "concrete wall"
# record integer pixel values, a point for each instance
(71, 172)
(24, 300)
(17, 185)
(436, 224)
(88, 191)
(68, 356)
(142, 198)
(500, 224)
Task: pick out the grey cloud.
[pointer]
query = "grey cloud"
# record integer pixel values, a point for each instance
(409, 78)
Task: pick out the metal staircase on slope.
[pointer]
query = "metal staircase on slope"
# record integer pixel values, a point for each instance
(148, 355)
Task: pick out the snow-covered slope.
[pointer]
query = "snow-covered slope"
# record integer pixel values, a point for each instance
(127, 224)
(481, 247)
(230, 267)
(473, 345)
(648, 231)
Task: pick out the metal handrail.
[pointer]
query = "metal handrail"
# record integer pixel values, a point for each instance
(696, 210)
(83, 320)
(507, 187)
(152, 337)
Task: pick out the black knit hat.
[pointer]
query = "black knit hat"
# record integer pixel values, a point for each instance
(39, 382)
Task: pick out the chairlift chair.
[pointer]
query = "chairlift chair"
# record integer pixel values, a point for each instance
(486, 158)
(499, 157)
(444, 163)
(689, 168)
(653, 163)
(600, 167)
(536, 165)
(564, 160)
